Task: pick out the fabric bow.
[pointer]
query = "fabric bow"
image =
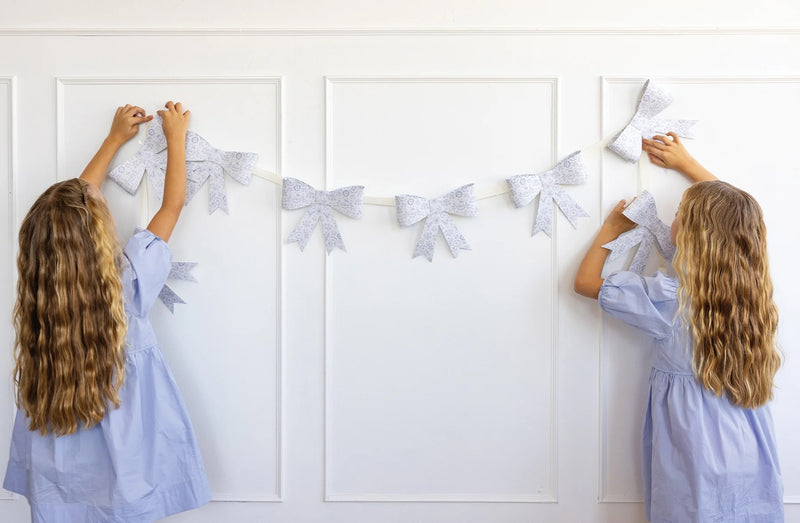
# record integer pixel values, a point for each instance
(128, 174)
(346, 200)
(653, 100)
(524, 188)
(203, 162)
(650, 228)
(178, 271)
(411, 209)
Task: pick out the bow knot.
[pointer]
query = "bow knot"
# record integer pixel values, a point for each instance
(653, 99)
(346, 200)
(650, 229)
(435, 205)
(525, 187)
(411, 209)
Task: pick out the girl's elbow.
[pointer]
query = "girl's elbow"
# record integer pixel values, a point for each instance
(588, 288)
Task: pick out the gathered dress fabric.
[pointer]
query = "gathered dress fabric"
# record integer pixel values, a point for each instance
(141, 462)
(704, 459)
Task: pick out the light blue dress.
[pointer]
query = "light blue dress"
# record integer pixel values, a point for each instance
(141, 462)
(704, 459)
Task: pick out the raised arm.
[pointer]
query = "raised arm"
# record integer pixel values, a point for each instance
(175, 124)
(671, 153)
(124, 127)
(588, 279)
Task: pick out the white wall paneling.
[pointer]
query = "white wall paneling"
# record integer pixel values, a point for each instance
(368, 386)
(440, 378)
(238, 273)
(8, 234)
(772, 105)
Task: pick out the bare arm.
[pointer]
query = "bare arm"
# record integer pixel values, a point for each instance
(588, 280)
(124, 127)
(672, 154)
(175, 124)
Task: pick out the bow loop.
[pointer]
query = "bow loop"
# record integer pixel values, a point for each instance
(435, 212)
(644, 124)
(297, 194)
(524, 188)
(347, 200)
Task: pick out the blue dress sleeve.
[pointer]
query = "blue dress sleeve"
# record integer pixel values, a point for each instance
(151, 260)
(640, 301)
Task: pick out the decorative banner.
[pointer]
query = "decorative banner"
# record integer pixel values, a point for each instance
(179, 271)
(203, 162)
(524, 188)
(346, 200)
(411, 209)
(642, 211)
(653, 100)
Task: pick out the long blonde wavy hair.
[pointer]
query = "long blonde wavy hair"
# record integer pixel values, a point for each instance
(69, 316)
(725, 292)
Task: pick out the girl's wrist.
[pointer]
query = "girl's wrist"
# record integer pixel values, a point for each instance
(114, 141)
(175, 142)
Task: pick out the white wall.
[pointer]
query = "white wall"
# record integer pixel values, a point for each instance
(366, 386)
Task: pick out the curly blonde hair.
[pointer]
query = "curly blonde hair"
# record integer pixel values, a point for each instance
(725, 292)
(69, 316)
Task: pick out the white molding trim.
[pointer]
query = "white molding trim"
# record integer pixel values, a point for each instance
(550, 497)
(277, 81)
(403, 31)
(11, 195)
(605, 82)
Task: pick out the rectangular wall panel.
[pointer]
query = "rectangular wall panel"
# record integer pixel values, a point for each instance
(223, 345)
(440, 377)
(732, 112)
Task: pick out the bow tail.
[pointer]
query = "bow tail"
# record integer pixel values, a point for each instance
(169, 298)
(155, 177)
(663, 239)
(568, 206)
(330, 231)
(624, 243)
(544, 214)
(427, 239)
(304, 228)
(455, 240)
(217, 197)
(642, 255)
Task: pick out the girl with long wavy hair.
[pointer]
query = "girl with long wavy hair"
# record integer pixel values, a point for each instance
(101, 433)
(708, 444)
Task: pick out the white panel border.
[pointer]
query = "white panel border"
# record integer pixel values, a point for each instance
(63, 81)
(405, 31)
(607, 81)
(552, 496)
(11, 194)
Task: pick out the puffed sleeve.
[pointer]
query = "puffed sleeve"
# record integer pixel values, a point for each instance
(151, 261)
(640, 301)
